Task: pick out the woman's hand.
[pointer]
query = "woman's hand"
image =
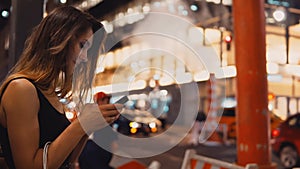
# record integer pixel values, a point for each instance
(110, 112)
(94, 117)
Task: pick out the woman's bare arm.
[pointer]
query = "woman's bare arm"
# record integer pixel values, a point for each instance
(21, 105)
(76, 152)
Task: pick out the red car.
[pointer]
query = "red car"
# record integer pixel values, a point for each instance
(286, 141)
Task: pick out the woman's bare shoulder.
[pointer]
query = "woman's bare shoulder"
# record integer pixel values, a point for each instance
(21, 84)
(19, 90)
(19, 97)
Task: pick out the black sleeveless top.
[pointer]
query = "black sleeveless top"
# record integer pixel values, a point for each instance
(51, 122)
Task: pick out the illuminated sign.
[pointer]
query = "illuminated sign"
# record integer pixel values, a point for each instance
(278, 2)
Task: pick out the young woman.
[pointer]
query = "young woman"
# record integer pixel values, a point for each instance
(31, 114)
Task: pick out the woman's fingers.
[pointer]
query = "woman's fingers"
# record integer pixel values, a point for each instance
(111, 119)
(111, 112)
(94, 117)
(111, 109)
(111, 106)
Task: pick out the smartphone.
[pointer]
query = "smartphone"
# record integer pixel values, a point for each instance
(122, 100)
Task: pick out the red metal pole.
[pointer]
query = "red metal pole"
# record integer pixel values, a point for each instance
(253, 121)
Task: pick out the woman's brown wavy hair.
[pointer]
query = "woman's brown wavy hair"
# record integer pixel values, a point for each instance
(49, 46)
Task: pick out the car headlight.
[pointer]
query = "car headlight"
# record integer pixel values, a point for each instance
(133, 124)
(152, 125)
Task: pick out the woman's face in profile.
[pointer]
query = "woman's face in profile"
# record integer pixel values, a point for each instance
(80, 48)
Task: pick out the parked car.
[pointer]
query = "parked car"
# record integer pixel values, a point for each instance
(286, 141)
(228, 118)
(132, 122)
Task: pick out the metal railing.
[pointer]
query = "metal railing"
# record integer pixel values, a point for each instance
(194, 161)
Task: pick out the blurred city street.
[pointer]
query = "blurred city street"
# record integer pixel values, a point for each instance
(229, 70)
(173, 158)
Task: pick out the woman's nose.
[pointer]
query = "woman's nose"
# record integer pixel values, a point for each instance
(83, 56)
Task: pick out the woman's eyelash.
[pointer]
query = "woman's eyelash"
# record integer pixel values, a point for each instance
(81, 44)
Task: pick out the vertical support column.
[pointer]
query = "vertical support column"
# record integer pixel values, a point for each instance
(221, 46)
(253, 119)
(4, 47)
(288, 110)
(25, 15)
(287, 43)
